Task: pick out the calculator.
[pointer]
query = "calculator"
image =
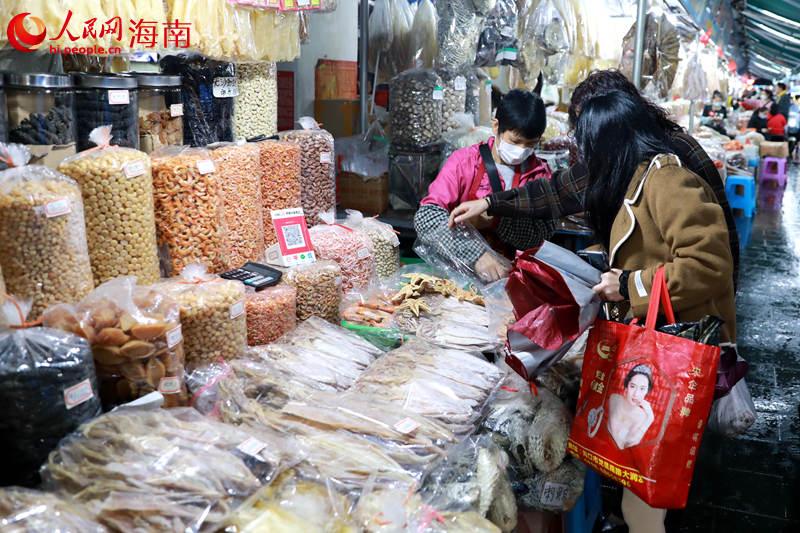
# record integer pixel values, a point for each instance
(254, 275)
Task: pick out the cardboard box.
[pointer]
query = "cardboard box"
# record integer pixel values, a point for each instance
(340, 117)
(370, 195)
(50, 155)
(774, 149)
(336, 80)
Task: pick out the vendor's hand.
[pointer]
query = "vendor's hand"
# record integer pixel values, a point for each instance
(489, 268)
(608, 288)
(482, 221)
(467, 211)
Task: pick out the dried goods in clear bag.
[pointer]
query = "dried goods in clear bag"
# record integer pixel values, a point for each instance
(189, 209)
(219, 29)
(271, 312)
(423, 35)
(472, 96)
(384, 239)
(256, 107)
(238, 169)
(498, 41)
(317, 169)
(380, 30)
(212, 314)
(546, 35)
(454, 96)
(415, 106)
(661, 54)
(117, 188)
(280, 181)
(352, 250)
(319, 290)
(464, 134)
(458, 30)
(400, 55)
(160, 112)
(135, 335)
(43, 250)
(28, 510)
(276, 34)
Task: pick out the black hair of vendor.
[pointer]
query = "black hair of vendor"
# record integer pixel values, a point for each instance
(522, 112)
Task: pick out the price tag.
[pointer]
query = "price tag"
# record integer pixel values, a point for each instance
(395, 240)
(362, 253)
(406, 425)
(237, 309)
(174, 336)
(507, 31)
(460, 83)
(251, 446)
(57, 207)
(205, 166)
(438, 93)
(77, 394)
(554, 494)
(169, 385)
(134, 168)
(488, 87)
(176, 110)
(325, 157)
(511, 54)
(303, 3)
(476, 92)
(119, 96)
(225, 87)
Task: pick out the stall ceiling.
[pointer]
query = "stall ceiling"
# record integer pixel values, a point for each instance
(773, 36)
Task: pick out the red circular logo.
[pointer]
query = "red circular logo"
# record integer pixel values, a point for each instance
(20, 38)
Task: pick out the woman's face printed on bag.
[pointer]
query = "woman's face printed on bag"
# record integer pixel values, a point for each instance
(637, 389)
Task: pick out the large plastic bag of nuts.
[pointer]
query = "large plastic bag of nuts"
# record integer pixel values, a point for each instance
(117, 192)
(352, 250)
(238, 168)
(189, 209)
(136, 340)
(270, 313)
(384, 239)
(454, 99)
(47, 388)
(43, 251)
(318, 169)
(415, 107)
(280, 181)
(212, 314)
(319, 290)
(256, 107)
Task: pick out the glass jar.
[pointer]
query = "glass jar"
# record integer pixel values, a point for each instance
(160, 111)
(41, 109)
(103, 99)
(3, 117)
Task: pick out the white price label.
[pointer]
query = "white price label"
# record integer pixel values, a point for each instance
(237, 309)
(251, 446)
(488, 87)
(174, 336)
(438, 93)
(554, 494)
(507, 31)
(406, 425)
(395, 240)
(325, 157)
(460, 83)
(169, 385)
(205, 166)
(511, 54)
(119, 96)
(176, 110)
(225, 87)
(57, 207)
(134, 168)
(303, 3)
(362, 253)
(77, 394)
(476, 92)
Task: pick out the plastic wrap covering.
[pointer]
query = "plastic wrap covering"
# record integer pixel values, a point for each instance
(365, 155)
(211, 468)
(472, 97)
(380, 30)
(410, 174)
(3, 120)
(352, 250)
(319, 290)
(239, 171)
(451, 386)
(559, 144)
(47, 388)
(384, 240)
(212, 314)
(135, 334)
(43, 250)
(270, 313)
(280, 181)
(31, 511)
(118, 203)
(473, 476)
(208, 89)
(660, 56)
(219, 29)
(498, 41)
(459, 28)
(318, 171)
(415, 104)
(334, 342)
(276, 35)
(400, 56)
(189, 208)
(453, 98)
(256, 107)
(423, 35)
(695, 85)
(734, 413)
(546, 34)
(465, 134)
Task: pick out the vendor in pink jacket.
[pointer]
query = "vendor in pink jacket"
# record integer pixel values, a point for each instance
(471, 173)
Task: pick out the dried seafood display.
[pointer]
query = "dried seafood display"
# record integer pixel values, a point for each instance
(374, 311)
(32, 511)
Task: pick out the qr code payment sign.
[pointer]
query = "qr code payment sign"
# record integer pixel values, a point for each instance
(293, 236)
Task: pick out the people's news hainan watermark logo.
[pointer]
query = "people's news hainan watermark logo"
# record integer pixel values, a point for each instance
(142, 34)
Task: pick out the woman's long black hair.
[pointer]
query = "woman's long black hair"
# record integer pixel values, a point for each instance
(615, 132)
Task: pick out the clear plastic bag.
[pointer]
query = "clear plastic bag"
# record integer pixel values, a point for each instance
(276, 34)
(453, 98)
(733, 414)
(118, 205)
(333, 341)
(32, 511)
(423, 35)
(546, 35)
(415, 105)
(280, 181)
(380, 31)
(256, 107)
(219, 29)
(464, 134)
(319, 290)
(472, 96)
(557, 491)
(695, 84)
(136, 340)
(458, 31)
(400, 56)
(384, 239)
(498, 41)
(271, 312)
(660, 59)
(43, 250)
(212, 314)
(352, 250)
(186, 182)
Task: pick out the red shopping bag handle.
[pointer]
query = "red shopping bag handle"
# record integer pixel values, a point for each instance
(659, 295)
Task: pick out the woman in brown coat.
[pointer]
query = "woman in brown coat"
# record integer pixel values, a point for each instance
(648, 211)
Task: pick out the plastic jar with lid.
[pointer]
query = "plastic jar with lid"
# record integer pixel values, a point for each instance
(41, 108)
(160, 111)
(103, 99)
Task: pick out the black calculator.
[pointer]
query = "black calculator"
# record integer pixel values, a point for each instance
(254, 275)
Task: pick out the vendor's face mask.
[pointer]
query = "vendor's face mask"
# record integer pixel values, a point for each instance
(511, 153)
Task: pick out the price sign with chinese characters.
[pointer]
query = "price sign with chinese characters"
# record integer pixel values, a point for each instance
(294, 242)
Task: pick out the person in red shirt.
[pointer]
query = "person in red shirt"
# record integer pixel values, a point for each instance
(776, 123)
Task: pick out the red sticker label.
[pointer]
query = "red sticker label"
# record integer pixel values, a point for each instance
(169, 385)
(174, 336)
(58, 207)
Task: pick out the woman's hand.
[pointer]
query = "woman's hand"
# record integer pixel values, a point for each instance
(467, 211)
(489, 268)
(608, 288)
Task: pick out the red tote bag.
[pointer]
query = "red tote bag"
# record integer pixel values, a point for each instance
(643, 405)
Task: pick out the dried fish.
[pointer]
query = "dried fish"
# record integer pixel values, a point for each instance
(32, 511)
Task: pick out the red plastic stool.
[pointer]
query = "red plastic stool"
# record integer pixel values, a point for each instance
(773, 170)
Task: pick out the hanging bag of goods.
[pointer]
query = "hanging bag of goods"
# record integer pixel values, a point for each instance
(318, 170)
(280, 181)
(117, 189)
(644, 400)
(352, 250)
(189, 208)
(43, 251)
(415, 106)
(135, 335)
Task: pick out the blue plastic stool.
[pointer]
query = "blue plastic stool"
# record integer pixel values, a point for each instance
(582, 517)
(745, 201)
